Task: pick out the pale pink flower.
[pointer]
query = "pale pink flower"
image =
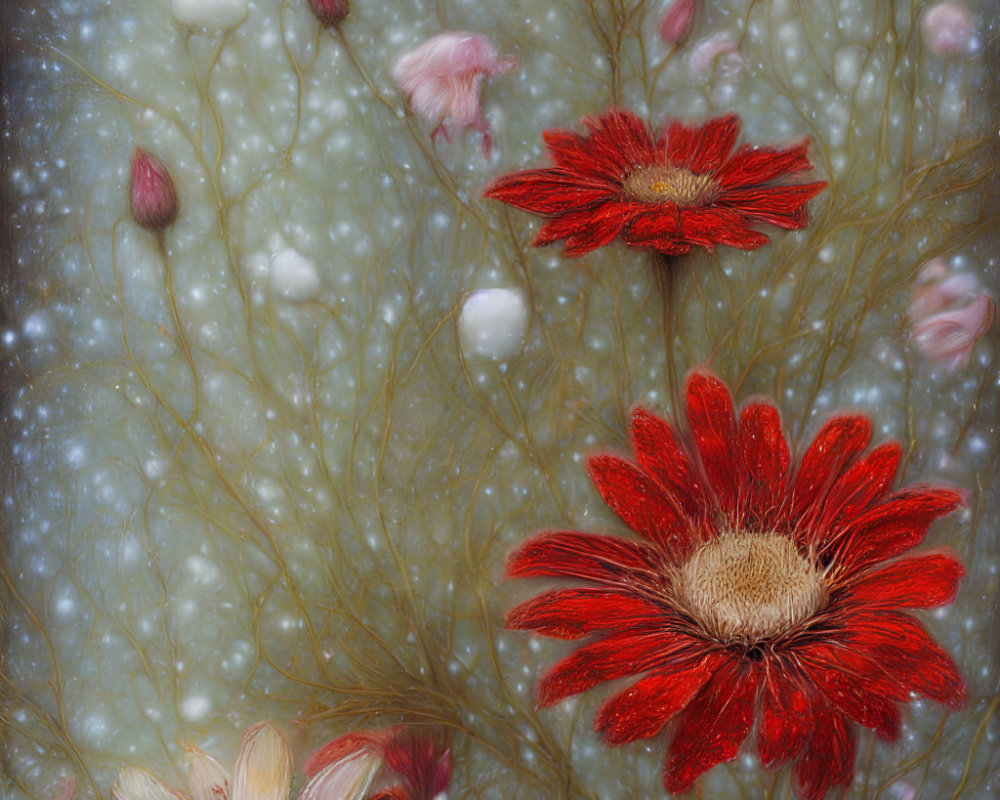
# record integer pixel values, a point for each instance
(397, 763)
(949, 336)
(677, 18)
(65, 788)
(719, 46)
(948, 28)
(263, 771)
(442, 80)
(938, 288)
(151, 190)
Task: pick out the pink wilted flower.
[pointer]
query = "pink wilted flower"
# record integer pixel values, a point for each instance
(152, 193)
(442, 80)
(397, 763)
(948, 336)
(948, 28)
(677, 18)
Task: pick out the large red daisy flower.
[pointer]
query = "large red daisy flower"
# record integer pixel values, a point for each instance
(670, 194)
(761, 594)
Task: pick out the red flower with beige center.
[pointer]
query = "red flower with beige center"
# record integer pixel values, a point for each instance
(670, 194)
(760, 593)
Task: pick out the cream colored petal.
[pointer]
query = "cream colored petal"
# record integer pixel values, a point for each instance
(263, 768)
(350, 778)
(135, 783)
(207, 779)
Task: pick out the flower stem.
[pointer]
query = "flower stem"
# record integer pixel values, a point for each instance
(664, 271)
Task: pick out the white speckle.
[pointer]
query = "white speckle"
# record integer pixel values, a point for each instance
(293, 276)
(209, 13)
(202, 570)
(195, 707)
(36, 327)
(75, 455)
(493, 323)
(847, 67)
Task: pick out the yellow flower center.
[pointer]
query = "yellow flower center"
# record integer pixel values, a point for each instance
(669, 184)
(749, 586)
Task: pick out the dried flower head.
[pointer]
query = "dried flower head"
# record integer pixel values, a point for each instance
(761, 593)
(397, 763)
(671, 194)
(442, 79)
(330, 12)
(153, 196)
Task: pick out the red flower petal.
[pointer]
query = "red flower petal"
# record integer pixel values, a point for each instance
(573, 154)
(856, 685)
(779, 205)
(786, 721)
(575, 223)
(836, 445)
(899, 523)
(829, 756)
(603, 224)
(752, 166)
(615, 656)
(619, 137)
(714, 725)
(716, 225)
(653, 223)
(702, 149)
(658, 453)
(862, 483)
(548, 191)
(713, 424)
(641, 502)
(567, 554)
(923, 581)
(573, 613)
(643, 709)
(907, 652)
(765, 461)
(343, 746)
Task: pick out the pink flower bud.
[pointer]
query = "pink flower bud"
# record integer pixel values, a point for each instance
(330, 12)
(948, 28)
(442, 79)
(154, 198)
(677, 18)
(949, 336)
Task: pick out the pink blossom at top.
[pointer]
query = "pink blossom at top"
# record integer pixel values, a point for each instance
(442, 80)
(677, 18)
(949, 336)
(948, 28)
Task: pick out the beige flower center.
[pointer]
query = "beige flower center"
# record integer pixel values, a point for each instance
(749, 586)
(669, 184)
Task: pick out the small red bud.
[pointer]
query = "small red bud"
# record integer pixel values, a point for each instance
(677, 18)
(154, 198)
(330, 12)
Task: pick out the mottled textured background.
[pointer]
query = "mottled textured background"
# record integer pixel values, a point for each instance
(221, 505)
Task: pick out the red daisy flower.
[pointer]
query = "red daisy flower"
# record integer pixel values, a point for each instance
(670, 194)
(761, 593)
